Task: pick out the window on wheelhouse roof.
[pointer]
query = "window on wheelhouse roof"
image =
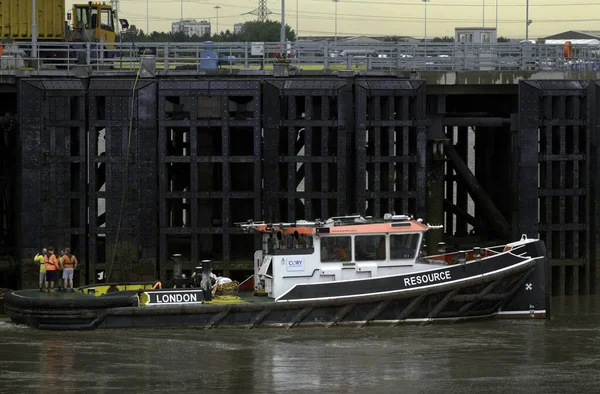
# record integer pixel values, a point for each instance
(404, 246)
(369, 247)
(335, 249)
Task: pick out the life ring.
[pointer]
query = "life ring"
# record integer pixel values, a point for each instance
(1, 49)
(568, 50)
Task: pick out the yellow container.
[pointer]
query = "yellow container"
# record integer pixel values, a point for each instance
(15, 20)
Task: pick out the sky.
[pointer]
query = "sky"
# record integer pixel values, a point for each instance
(378, 17)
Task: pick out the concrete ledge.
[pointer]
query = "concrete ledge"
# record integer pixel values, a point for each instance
(499, 77)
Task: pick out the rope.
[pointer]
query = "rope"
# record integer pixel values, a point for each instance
(251, 276)
(137, 77)
(229, 289)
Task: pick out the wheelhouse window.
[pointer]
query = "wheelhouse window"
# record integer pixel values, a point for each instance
(82, 16)
(288, 244)
(404, 246)
(369, 247)
(106, 20)
(93, 19)
(335, 249)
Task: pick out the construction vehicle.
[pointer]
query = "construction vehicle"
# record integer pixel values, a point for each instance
(86, 22)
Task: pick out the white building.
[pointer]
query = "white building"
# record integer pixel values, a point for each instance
(477, 51)
(238, 27)
(476, 35)
(191, 27)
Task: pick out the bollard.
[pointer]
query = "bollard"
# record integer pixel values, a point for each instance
(477, 253)
(205, 284)
(462, 257)
(176, 266)
(197, 276)
(441, 247)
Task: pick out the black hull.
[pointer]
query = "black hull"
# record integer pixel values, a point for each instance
(513, 287)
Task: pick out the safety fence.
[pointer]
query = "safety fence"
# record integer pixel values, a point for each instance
(302, 56)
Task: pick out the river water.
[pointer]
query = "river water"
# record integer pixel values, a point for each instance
(494, 356)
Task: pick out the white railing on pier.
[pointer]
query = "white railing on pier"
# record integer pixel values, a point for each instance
(305, 56)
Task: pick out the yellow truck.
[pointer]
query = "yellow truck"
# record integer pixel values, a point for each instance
(89, 22)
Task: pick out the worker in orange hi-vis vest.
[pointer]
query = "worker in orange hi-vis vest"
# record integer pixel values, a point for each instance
(69, 263)
(51, 266)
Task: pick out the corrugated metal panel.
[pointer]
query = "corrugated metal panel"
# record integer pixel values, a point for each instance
(15, 19)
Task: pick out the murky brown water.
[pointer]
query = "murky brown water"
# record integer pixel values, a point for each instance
(499, 356)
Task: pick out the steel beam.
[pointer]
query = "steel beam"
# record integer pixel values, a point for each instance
(122, 179)
(210, 166)
(593, 127)
(390, 147)
(479, 196)
(308, 131)
(52, 206)
(562, 114)
(475, 122)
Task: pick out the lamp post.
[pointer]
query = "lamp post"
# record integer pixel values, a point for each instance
(336, 1)
(296, 20)
(282, 31)
(33, 30)
(217, 8)
(483, 13)
(147, 18)
(181, 18)
(496, 18)
(527, 21)
(425, 1)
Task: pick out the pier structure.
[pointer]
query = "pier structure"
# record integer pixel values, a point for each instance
(131, 167)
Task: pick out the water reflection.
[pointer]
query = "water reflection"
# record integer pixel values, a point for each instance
(554, 356)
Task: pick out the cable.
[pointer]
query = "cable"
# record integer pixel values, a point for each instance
(137, 77)
(413, 4)
(475, 4)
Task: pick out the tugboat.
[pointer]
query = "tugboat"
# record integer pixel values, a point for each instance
(348, 270)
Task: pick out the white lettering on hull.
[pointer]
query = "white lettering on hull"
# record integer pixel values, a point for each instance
(427, 278)
(172, 298)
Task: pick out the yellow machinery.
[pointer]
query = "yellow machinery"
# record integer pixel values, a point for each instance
(89, 22)
(92, 22)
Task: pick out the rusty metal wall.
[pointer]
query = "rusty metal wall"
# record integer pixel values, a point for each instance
(210, 167)
(391, 144)
(122, 176)
(52, 204)
(554, 138)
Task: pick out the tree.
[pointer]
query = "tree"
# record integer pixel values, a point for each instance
(267, 31)
(394, 39)
(503, 39)
(253, 31)
(443, 39)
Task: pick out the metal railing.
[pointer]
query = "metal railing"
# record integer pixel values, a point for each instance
(302, 56)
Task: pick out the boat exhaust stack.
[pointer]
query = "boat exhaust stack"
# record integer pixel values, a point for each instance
(177, 271)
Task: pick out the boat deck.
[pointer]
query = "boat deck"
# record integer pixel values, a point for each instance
(54, 295)
(244, 296)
